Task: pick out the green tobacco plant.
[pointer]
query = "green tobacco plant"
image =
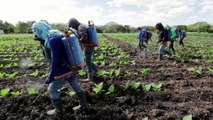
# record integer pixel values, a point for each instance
(4, 92)
(81, 73)
(126, 86)
(156, 87)
(32, 91)
(111, 90)
(144, 71)
(197, 70)
(2, 75)
(146, 87)
(15, 93)
(145, 118)
(135, 85)
(117, 72)
(12, 75)
(209, 70)
(101, 73)
(72, 93)
(98, 88)
(188, 117)
(36, 73)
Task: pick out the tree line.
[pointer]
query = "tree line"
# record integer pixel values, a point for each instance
(25, 27)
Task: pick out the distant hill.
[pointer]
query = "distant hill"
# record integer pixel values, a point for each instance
(111, 23)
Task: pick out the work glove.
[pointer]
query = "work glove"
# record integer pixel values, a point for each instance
(48, 80)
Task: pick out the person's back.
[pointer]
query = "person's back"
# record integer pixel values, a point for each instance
(59, 57)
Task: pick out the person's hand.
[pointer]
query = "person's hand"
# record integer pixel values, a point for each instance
(48, 80)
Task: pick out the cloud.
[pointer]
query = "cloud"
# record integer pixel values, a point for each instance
(152, 11)
(207, 6)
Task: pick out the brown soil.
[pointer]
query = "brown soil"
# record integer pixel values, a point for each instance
(182, 93)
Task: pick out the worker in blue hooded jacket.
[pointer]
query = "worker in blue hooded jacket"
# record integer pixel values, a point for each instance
(58, 67)
(83, 35)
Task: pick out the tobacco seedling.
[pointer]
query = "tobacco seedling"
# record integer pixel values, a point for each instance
(35, 73)
(209, 70)
(98, 88)
(199, 71)
(4, 92)
(81, 73)
(32, 91)
(117, 72)
(146, 87)
(101, 73)
(156, 87)
(135, 85)
(145, 118)
(111, 90)
(2, 75)
(188, 117)
(72, 93)
(15, 93)
(12, 75)
(126, 86)
(144, 71)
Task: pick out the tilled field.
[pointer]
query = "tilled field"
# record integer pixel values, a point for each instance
(182, 93)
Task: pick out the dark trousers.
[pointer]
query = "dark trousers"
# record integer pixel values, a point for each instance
(181, 41)
(171, 46)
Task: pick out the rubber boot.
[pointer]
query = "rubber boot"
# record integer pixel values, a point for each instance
(89, 78)
(160, 57)
(168, 53)
(58, 108)
(82, 101)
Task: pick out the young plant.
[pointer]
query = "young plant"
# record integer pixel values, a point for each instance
(144, 71)
(15, 93)
(188, 117)
(199, 71)
(4, 92)
(156, 87)
(126, 86)
(146, 87)
(117, 72)
(111, 90)
(32, 91)
(12, 75)
(101, 73)
(2, 75)
(209, 70)
(72, 93)
(81, 73)
(145, 118)
(36, 73)
(135, 85)
(98, 88)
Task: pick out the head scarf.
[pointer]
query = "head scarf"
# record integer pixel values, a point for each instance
(74, 23)
(44, 31)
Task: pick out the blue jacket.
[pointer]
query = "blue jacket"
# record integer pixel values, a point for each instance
(141, 35)
(59, 57)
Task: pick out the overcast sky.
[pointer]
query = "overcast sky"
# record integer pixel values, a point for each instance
(126, 12)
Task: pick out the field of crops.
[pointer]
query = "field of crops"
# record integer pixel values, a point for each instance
(127, 86)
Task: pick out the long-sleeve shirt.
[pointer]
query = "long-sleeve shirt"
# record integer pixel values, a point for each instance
(59, 57)
(141, 35)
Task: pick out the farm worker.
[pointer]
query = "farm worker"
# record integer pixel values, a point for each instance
(162, 39)
(173, 38)
(148, 36)
(82, 34)
(58, 67)
(46, 51)
(141, 37)
(182, 36)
